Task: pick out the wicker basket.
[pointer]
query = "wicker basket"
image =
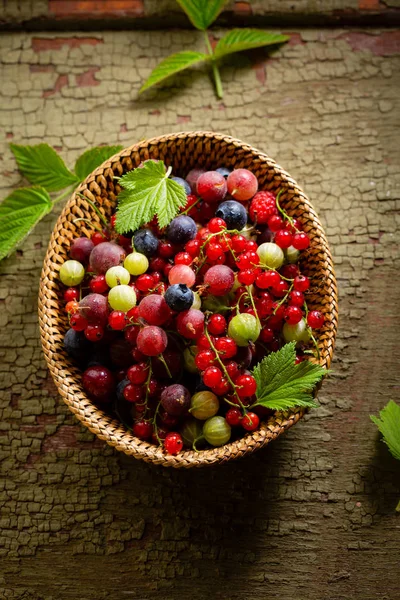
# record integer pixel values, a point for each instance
(183, 151)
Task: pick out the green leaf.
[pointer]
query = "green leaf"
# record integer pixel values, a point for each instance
(388, 424)
(148, 192)
(202, 12)
(19, 213)
(246, 39)
(171, 65)
(281, 384)
(93, 158)
(41, 165)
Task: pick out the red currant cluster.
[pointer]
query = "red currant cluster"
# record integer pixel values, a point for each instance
(168, 323)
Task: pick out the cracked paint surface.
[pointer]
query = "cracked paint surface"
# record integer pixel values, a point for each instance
(311, 516)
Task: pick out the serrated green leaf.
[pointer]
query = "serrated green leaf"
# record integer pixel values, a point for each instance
(238, 40)
(41, 165)
(19, 213)
(171, 65)
(93, 158)
(202, 12)
(388, 424)
(148, 192)
(282, 384)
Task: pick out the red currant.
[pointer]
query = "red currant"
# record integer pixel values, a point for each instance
(268, 279)
(281, 289)
(217, 324)
(239, 243)
(173, 443)
(275, 223)
(293, 315)
(283, 238)
(204, 359)
(315, 319)
(131, 334)
(222, 387)
(71, 294)
(247, 276)
(250, 421)
(117, 320)
(301, 241)
(183, 258)
(226, 346)
(296, 298)
(246, 386)
(193, 248)
(133, 393)
(216, 225)
(165, 250)
(94, 333)
(144, 282)
(301, 283)
(72, 307)
(97, 238)
(143, 429)
(78, 322)
(212, 376)
(137, 374)
(232, 369)
(98, 284)
(266, 335)
(233, 417)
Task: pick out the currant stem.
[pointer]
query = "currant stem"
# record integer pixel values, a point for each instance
(96, 227)
(248, 288)
(215, 69)
(162, 359)
(221, 364)
(283, 299)
(96, 210)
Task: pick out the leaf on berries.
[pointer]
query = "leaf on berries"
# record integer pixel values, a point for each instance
(148, 192)
(41, 165)
(19, 213)
(93, 158)
(202, 12)
(388, 424)
(282, 384)
(171, 65)
(238, 40)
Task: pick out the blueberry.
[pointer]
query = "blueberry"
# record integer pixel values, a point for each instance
(145, 242)
(183, 183)
(224, 171)
(181, 230)
(76, 345)
(179, 297)
(233, 213)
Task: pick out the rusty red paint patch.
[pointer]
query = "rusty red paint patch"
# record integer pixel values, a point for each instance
(93, 8)
(62, 81)
(183, 119)
(9, 135)
(260, 73)
(43, 44)
(41, 68)
(87, 79)
(243, 8)
(386, 43)
(295, 39)
(370, 5)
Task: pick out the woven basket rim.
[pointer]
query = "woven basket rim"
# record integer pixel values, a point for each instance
(97, 421)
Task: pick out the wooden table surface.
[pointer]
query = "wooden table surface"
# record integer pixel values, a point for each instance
(311, 517)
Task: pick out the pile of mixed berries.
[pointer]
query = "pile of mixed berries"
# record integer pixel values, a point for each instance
(167, 324)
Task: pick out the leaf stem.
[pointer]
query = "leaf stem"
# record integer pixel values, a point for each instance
(65, 193)
(214, 66)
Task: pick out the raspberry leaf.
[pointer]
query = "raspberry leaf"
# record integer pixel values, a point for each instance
(42, 166)
(202, 12)
(238, 40)
(282, 384)
(93, 158)
(171, 65)
(19, 213)
(388, 424)
(148, 192)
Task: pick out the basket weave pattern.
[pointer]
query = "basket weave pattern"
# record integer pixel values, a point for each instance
(182, 151)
